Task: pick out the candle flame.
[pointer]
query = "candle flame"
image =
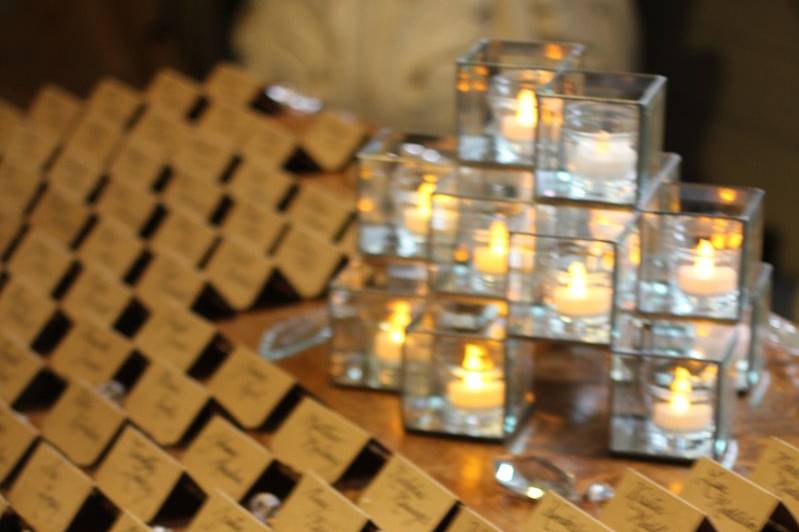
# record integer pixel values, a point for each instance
(553, 51)
(603, 142)
(526, 112)
(366, 204)
(728, 195)
(461, 253)
(398, 321)
(577, 285)
(704, 264)
(681, 389)
(425, 200)
(475, 363)
(498, 237)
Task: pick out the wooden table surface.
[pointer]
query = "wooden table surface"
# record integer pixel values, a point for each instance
(569, 425)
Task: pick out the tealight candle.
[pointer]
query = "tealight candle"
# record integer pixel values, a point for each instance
(603, 156)
(493, 258)
(390, 337)
(520, 127)
(579, 300)
(417, 218)
(679, 414)
(704, 277)
(477, 385)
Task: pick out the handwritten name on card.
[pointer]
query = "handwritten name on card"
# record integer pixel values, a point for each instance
(41, 259)
(90, 352)
(174, 334)
(556, 514)
(315, 505)
(249, 387)
(173, 92)
(30, 146)
(77, 173)
(468, 521)
(165, 402)
(205, 155)
(777, 470)
(220, 513)
(197, 195)
(332, 139)
(55, 109)
(137, 475)
(137, 165)
(18, 185)
(93, 138)
(186, 233)
(60, 214)
(260, 182)
(307, 261)
(168, 275)
(321, 209)
(113, 102)
(223, 457)
(18, 367)
(24, 309)
(127, 204)
(238, 272)
(49, 491)
(127, 522)
(96, 295)
(233, 123)
(271, 141)
(16, 437)
(232, 84)
(404, 498)
(258, 226)
(162, 130)
(719, 492)
(82, 423)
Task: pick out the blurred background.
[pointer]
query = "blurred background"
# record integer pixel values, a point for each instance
(733, 66)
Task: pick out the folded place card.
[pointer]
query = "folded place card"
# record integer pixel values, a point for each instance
(249, 387)
(90, 351)
(18, 184)
(238, 273)
(232, 84)
(307, 260)
(173, 92)
(220, 513)
(234, 123)
(11, 223)
(467, 520)
(174, 334)
(41, 259)
(186, 233)
(16, 437)
(55, 108)
(221, 457)
(271, 141)
(556, 514)
(112, 245)
(137, 165)
(404, 498)
(777, 470)
(61, 214)
(138, 476)
(332, 139)
(96, 294)
(50, 491)
(165, 402)
(18, 367)
(76, 172)
(259, 225)
(128, 204)
(315, 438)
(127, 522)
(205, 155)
(24, 309)
(94, 138)
(198, 195)
(732, 502)
(31, 146)
(3, 506)
(260, 182)
(169, 275)
(321, 209)
(114, 102)
(162, 130)
(82, 423)
(10, 120)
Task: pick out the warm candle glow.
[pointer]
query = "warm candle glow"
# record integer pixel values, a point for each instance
(475, 359)
(576, 283)
(680, 414)
(603, 142)
(425, 200)
(526, 112)
(391, 336)
(498, 237)
(492, 259)
(681, 389)
(477, 384)
(728, 195)
(705, 263)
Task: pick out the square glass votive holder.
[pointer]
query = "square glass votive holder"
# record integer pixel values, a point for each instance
(370, 306)
(673, 390)
(604, 137)
(752, 332)
(568, 277)
(461, 375)
(397, 174)
(496, 104)
(700, 250)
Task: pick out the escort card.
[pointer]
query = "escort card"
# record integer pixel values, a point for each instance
(249, 387)
(205, 155)
(24, 309)
(222, 514)
(169, 275)
(16, 437)
(238, 273)
(128, 204)
(82, 423)
(307, 261)
(31, 146)
(556, 514)
(3, 506)
(76, 172)
(174, 334)
(224, 458)
(55, 108)
(272, 141)
(10, 222)
(10, 120)
(18, 185)
(96, 295)
(127, 522)
(185, 233)
(322, 209)
(112, 245)
(232, 84)
(90, 352)
(113, 102)
(200, 196)
(259, 226)
(162, 130)
(137, 165)
(332, 139)
(173, 92)
(315, 438)
(732, 502)
(777, 470)
(18, 367)
(94, 138)
(404, 498)
(137, 475)
(259, 182)
(229, 122)
(41, 259)
(60, 214)
(467, 520)
(165, 402)
(49, 491)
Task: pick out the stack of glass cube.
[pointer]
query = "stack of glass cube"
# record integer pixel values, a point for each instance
(554, 215)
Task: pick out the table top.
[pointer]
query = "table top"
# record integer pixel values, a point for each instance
(569, 425)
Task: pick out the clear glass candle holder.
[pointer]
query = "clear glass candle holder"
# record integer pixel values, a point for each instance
(571, 272)
(397, 175)
(370, 306)
(673, 390)
(497, 108)
(700, 250)
(462, 376)
(752, 330)
(603, 136)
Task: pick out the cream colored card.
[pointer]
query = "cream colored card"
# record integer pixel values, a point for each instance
(307, 261)
(3, 505)
(185, 233)
(467, 520)
(321, 209)
(31, 146)
(93, 138)
(82, 423)
(349, 242)
(16, 437)
(91, 352)
(24, 309)
(127, 522)
(315, 438)
(168, 275)
(332, 139)
(232, 84)
(221, 457)
(173, 92)
(162, 130)
(174, 334)
(11, 222)
(112, 245)
(234, 123)
(129, 204)
(732, 502)
(220, 513)
(138, 476)
(261, 183)
(113, 101)
(556, 514)
(59, 213)
(200, 196)
(10, 120)
(404, 498)
(238, 273)
(249, 387)
(137, 165)
(165, 402)
(50, 491)
(204, 156)
(777, 470)
(258, 226)
(18, 185)
(55, 108)
(272, 141)
(40, 258)
(18, 367)
(315, 505)
(76, 172)
(96, 295)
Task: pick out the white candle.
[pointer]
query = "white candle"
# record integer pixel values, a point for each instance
(417, 217)
(520, 126)
(493, 258)
(603, 156)
(390, 337)
(704, 277)
(579, 300)
(679, 414)
(477, 385)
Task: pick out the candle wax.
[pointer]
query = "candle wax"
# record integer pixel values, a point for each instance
(595, 301)
(517, 131)
(695, 418)
(388, 347)
(476, 394)
(604, 156)
(716, 281)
